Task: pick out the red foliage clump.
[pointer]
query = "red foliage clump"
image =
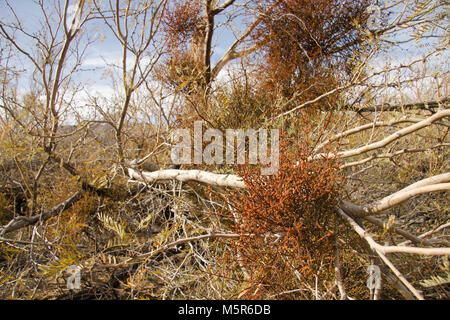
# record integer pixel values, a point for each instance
(287, 223)
(181, 22)
(308, 43)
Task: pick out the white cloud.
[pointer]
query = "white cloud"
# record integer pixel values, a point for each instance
(112, 59)
(102, 60)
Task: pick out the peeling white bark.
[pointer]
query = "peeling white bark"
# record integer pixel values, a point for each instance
(213, 179)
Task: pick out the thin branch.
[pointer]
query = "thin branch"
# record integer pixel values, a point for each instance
(214, 179)
(166, 247)
(225, 5)
(392, 155)
(339, 282)
(231, 53)
(428, 105)
(395, 136)
(376, 247)
(391, 200)
(404, 233)
(370, 126)
(186, 240)
(21, 221)
(428, 233)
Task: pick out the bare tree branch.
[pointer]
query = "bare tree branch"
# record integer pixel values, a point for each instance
(376, 247)
(411, 237)
(428, 105)
(231, 53)
(391, 155)
(395, 136)
(391, 200)
(21, 221)
(368, 126)
(220, 180)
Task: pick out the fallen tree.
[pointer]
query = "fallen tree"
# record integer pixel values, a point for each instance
(369, 189)
(351, 212)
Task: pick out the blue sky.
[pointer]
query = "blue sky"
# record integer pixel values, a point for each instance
(105, 50)
(109, 50)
